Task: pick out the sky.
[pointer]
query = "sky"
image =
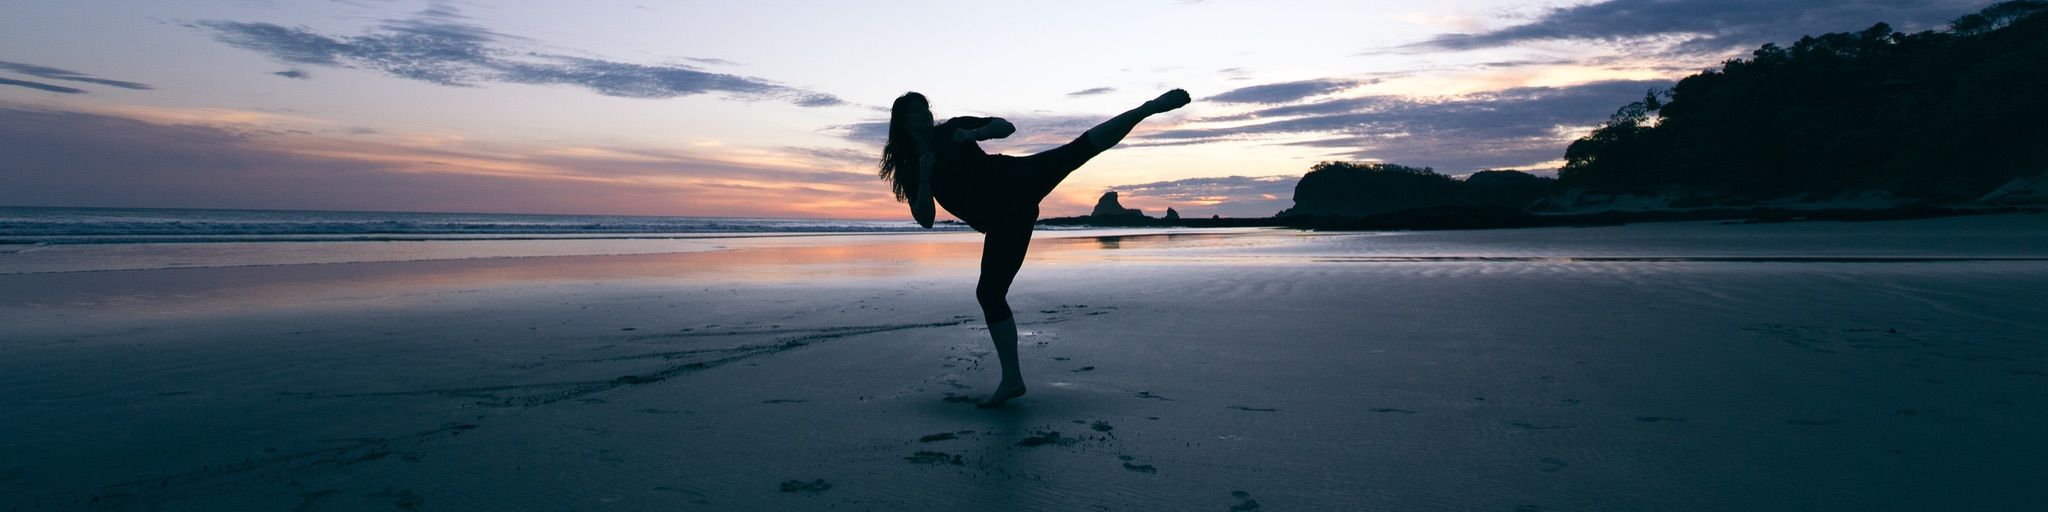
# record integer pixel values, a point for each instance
(778, 108)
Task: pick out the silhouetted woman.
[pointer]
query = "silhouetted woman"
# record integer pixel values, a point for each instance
(995, 194)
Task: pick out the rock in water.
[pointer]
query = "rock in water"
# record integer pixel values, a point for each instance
(1108, 207)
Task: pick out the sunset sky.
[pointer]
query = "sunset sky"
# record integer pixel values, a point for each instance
(776, 109)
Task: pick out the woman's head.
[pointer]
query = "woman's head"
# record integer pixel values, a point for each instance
(910, 131)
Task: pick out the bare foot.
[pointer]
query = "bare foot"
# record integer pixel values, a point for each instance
(1004, 393)
(1173, 99)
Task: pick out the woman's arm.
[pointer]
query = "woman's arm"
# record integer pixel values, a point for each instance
(921, 206)
(995, 129)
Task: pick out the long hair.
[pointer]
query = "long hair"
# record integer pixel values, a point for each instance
(900, 154)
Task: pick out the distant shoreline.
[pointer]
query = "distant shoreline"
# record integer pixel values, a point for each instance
(1461, 217)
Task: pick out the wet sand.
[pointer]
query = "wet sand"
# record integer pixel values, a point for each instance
(1816, 366)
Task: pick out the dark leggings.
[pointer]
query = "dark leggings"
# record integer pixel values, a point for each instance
(1004, 245)
(1002, 254)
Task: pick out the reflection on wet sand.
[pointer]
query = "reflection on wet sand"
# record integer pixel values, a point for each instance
(779, 261)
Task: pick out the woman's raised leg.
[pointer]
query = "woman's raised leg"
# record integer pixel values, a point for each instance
(1002, 254)
(1112, 131)
(1052, 166)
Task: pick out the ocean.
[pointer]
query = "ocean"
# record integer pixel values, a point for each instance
(25, 225)
(37, 240)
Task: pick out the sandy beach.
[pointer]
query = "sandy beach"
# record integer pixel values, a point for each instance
(1682, 366)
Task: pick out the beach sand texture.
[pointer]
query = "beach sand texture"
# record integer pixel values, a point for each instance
(1690, 366)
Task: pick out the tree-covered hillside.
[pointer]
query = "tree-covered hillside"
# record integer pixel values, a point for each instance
(1935, 115)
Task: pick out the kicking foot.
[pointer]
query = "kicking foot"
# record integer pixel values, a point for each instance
(1173, 99)
(1003, 393)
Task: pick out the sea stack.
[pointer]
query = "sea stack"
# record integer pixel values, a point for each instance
(1172, 215)
(1108, 207)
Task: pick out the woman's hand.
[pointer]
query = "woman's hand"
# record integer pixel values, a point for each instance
(995, 129)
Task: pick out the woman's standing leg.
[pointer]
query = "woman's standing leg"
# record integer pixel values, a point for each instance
(1002, 254)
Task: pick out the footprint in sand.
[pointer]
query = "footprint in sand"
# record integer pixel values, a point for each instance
(934, 458)
(1811, 423)
(1654, 419)
(1141, 468)
(944, 436)
(814, 486)
(697, 498)
(1245, 503)
(403, 498)
(1148, 394)
(1393, 410)
(1101, 426)
(1253, 409)
(1083, 369)
(1043, 438)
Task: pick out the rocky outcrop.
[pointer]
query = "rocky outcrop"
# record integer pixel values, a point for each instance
(1172, 215)
(1108, 207)
(1355, 189)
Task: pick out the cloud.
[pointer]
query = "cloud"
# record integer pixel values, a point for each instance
(1707, 26)
(41, 86)
(1511, 127)
(64, 158)
(67, 75)
(712, 61)
(296, 74)
(1285, 92)
(435, 46)
(839, 158)
(1092, 91)
(1232, 196)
